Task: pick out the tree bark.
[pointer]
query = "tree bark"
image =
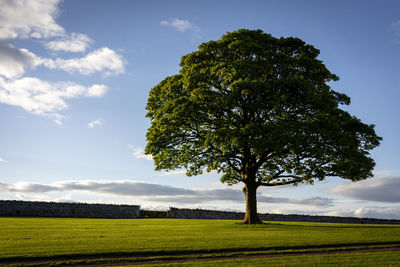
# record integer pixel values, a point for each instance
(251, 216)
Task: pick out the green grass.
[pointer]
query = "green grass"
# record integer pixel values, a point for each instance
(354, 259)
(57, 237)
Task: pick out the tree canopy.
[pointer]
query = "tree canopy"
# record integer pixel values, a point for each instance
(259, 110)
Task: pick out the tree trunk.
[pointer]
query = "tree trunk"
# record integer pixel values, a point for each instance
(251, 216)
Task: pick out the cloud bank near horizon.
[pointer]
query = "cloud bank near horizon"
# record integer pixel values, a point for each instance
(379, 189)
(162, 196)
(154, 192)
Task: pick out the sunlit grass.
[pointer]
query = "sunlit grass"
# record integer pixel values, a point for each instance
(48, 237)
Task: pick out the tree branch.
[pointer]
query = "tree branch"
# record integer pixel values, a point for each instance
(263, 158)
(233, 166)
(276, 184)
(278, 173)
(288, 176)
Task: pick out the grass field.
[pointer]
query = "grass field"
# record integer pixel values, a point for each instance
(103, 241)
(355, 259)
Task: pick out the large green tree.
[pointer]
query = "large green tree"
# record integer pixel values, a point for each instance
(259, 110)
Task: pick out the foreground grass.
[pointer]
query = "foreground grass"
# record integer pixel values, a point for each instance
(58, 237)
(354, 259)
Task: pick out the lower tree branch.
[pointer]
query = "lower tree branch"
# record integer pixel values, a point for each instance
(276, 184)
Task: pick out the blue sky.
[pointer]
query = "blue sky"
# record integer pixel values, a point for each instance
(75, 77)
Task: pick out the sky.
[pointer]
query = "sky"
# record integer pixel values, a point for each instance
(75, 77)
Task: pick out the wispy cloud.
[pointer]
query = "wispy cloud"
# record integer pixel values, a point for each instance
(395, 27)
(183, 172)
(26, 19)
(313, 201)
(42, 197)
(181, 25)
(94, 123)
(2, 160)
(174, 173)
(154, 192)
(14, 62)
(75, 42)
(138, 153)
(396, 24)
(368, 212)
(381, 173)
(381, 189)
(45, 98)
(29, 19)
(101, 60)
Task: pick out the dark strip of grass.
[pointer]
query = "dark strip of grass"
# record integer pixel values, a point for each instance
(196, 255)
(372, 259)
(201, 251)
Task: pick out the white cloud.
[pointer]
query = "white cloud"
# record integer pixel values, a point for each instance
(174, 173)
(152, 192)
(25, 19)
(103, 59)
(14, 61)
(138, 153)
(368, 212)
(378, 212)
(92, 124)
(2, 160)
(64, 199)
(44, 98)
(76, 42)
(313, 201)
(29, 18)
(180, 25)
(97, 90)
(381, 189)
(183, 173)
(35, 18)
(381, 173)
